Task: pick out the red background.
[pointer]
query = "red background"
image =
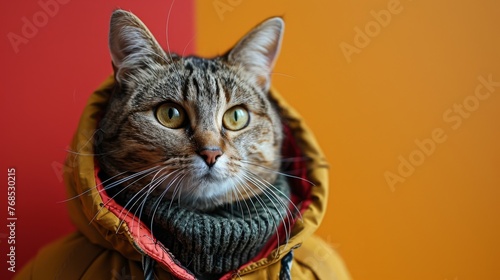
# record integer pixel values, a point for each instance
(45, 85)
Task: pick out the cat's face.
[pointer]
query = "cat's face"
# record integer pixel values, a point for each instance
(201, 131)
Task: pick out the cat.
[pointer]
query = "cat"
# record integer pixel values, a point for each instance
(195, 135)
(205, 127)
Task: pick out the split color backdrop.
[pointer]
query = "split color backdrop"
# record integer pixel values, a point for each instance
(403, 96)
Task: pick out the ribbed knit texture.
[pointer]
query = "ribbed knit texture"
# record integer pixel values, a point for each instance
(221, 240)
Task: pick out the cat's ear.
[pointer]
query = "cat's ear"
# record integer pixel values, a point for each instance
(258, 50)
(132, 46)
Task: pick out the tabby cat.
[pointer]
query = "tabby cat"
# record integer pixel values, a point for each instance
(193, 134)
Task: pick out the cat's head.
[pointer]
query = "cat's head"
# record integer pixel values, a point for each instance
(202, 131)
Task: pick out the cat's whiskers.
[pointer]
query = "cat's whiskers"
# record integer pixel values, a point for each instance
(154, 183)
(89, 140)
(177, 189)
(113, 183)
(168, 52)
(276, 223)
(265, 168)
(240, 197)
(156, 204)
(282, 74)
(96, 186)
(187, 44)
(255, 195)
(103, 206)
(128, 208)
(280, 158)
(266, 183)
(266, 187)
(156, 171)
(257, 183)
(148, 188)
(282, 198)
(81, 147)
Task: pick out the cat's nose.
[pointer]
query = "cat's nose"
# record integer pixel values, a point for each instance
(210, 155)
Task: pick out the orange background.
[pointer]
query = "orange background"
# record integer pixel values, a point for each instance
(367, 109)
(443, 221)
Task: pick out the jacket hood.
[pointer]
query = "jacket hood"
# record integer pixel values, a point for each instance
(97, 216)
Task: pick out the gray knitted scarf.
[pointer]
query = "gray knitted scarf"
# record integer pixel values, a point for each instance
(212, 243)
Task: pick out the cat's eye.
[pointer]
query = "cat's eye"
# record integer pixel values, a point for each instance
(171, 115)
(236, 118)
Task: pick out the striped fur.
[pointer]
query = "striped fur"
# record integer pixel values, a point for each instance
(146, 76)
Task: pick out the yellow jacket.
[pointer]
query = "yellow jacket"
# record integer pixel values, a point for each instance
(105, 248)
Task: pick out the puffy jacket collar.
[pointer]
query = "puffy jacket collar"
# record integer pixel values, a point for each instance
(96, 215)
